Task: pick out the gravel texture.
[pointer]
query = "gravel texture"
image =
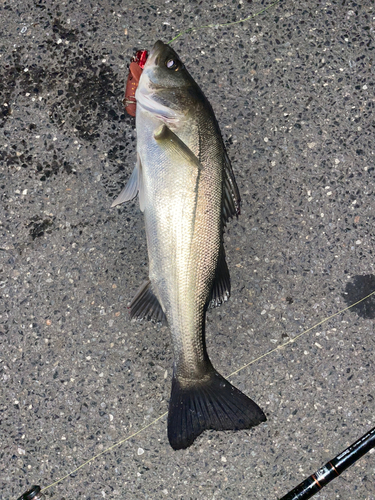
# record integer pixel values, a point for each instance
(293, 91)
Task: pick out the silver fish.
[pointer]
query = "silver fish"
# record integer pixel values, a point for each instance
(187, 192)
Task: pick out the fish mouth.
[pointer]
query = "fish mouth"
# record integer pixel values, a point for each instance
(153, 61)
(147, 91)
(156, 50)
(158, 56)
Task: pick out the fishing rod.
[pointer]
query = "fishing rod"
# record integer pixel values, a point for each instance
(333, 468)
(36, 493)
(309, 487)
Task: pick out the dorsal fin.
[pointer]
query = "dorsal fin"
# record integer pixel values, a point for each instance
(231, 195)
(221, 286)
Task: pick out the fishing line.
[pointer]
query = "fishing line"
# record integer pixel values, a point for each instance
(231, 375)
(216, 26)
(105, 451)
(292, 340)
(303, 333)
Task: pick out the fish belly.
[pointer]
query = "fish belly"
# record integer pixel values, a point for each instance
(183, 224)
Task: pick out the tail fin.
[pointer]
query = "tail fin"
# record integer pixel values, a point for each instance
(212, 403)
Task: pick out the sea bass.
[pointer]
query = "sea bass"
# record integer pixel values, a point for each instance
(187, 192)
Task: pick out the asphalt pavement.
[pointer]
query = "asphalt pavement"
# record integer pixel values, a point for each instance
(293, 92)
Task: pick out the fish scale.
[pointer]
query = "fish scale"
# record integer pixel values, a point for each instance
(187, 192)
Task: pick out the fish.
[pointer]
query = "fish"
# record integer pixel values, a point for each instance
(187, 192)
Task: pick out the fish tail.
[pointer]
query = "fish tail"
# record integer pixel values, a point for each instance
(209, 403)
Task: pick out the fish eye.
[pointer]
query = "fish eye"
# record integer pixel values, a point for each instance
(173, 64)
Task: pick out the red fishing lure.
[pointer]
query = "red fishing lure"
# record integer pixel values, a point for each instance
(135, 70)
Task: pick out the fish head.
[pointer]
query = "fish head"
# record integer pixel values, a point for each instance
(166, 88)
(164, 68)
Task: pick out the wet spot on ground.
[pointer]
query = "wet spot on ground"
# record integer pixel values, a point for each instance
(357, 289)
(38, 227)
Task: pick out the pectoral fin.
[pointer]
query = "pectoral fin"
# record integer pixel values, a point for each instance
(133, 186)
(171, 141)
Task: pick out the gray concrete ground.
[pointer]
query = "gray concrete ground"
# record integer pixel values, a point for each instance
(293, 91)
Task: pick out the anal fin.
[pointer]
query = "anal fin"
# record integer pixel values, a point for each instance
(145, 304)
